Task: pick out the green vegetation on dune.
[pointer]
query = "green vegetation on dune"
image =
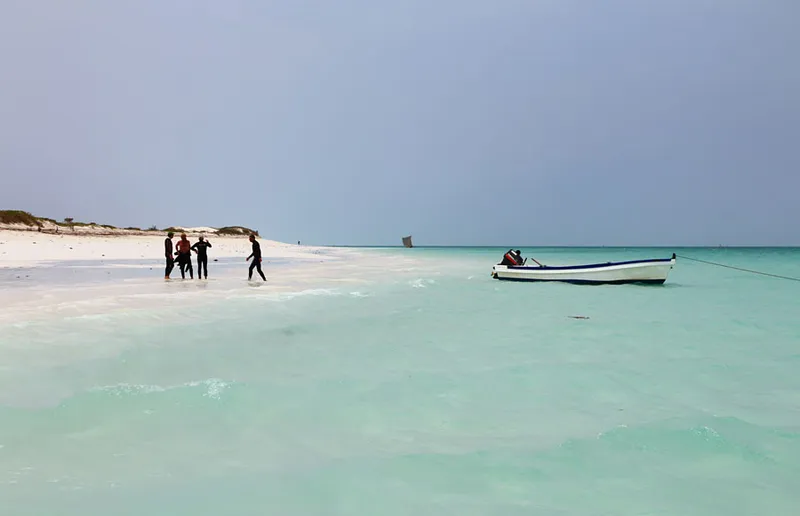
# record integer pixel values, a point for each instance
(18, 217)
(68, 222)
(236, 230)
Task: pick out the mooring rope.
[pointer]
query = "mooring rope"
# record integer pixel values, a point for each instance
(739, 268)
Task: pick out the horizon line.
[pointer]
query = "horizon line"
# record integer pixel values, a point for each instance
(550, 246)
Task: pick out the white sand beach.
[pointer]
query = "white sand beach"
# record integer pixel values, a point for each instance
(66, 274)
(32, 248)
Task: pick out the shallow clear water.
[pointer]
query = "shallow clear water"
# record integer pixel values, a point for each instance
(429, 390)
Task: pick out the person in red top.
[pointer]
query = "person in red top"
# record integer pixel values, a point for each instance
(184, 253)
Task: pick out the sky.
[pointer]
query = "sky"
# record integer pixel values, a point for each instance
(356, 122)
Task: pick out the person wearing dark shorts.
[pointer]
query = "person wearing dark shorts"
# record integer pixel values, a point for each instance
(185, 256)
(202, 257)
(256, 256)
(168, 254)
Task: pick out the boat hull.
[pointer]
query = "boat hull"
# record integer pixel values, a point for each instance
(645, 272)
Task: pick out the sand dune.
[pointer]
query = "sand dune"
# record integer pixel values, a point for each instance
(199, 229)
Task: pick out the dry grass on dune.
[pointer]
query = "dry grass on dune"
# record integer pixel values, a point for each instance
(236, 230)
(18, 217)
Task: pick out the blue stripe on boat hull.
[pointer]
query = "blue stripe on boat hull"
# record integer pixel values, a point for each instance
(588, 282)
(590, 266)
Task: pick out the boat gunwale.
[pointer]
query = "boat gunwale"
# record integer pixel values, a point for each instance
(655, 261)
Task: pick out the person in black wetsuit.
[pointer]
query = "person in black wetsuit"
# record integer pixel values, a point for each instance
(202, 257)
(256, 256)
(168, 254)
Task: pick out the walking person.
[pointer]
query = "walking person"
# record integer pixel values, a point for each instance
(202, 256)
(168, 254)
(185, 256)
(256, 256)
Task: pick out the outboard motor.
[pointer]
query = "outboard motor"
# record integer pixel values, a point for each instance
(511, 258)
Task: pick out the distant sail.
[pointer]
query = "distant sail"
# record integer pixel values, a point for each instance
(407, 241)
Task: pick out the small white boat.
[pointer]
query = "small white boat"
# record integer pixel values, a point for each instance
(614, 273)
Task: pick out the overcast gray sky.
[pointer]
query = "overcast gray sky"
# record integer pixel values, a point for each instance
(550, 122)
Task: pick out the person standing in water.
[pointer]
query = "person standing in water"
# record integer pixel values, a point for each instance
(202, 257)
(168, 254)
(256, 256)
(185, 256)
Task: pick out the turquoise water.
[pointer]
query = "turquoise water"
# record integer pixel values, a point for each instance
(432, 389)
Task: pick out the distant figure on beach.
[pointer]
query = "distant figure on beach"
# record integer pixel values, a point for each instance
(168, 254)
(202, 257)
(185, 256)
(256, 256)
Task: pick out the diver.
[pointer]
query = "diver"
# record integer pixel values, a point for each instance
(185, 256)
(202, 257)
(168, 254)
(256, 256)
